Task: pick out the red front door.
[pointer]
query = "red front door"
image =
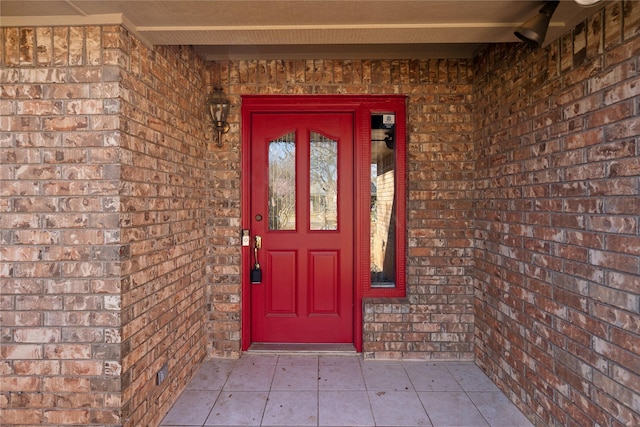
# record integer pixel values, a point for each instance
(302, 208)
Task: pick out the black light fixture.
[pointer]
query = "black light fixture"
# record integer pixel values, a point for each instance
(219, 110)
(534, 30)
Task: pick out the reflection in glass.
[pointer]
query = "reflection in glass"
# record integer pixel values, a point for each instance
(282, 183)
(383, 241)
(323, 183)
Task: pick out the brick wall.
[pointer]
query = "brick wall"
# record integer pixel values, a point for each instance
(223, 233)
(436, 318)
(164, 188)
(59, 275)
(557, 259)
(102, 220)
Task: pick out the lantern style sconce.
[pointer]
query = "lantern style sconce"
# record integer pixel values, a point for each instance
(219, 110)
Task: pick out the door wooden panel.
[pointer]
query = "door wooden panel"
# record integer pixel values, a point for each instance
(324, 283)
(282, 282)
(302, 207)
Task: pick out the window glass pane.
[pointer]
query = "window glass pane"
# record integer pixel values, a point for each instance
(282, 183)
(323, 183)
(383, 241)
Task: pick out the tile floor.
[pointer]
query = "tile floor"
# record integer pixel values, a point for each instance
(336, 390)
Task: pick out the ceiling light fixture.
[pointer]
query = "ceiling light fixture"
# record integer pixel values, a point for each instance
(219, 110)
(535, 29)
(587, 2)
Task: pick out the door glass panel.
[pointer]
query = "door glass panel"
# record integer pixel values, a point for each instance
(282, 183)
(323, 183)
(383, 241)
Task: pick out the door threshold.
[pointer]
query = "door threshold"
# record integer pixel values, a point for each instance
(289, 348)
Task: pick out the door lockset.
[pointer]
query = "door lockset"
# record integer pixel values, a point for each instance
(256, 271)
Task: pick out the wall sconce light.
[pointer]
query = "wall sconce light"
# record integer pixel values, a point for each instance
(535, 29)
(219, 110)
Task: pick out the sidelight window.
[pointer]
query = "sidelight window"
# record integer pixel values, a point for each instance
(386, 196)
(383, 191)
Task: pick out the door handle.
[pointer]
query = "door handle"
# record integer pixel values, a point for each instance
(256, 272)
(257, 244)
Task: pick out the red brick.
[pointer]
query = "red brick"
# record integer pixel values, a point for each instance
(62, 417)
(616, 187)
(622, 205)
(37, 367)
(626, 340)
(11, 416)
(622, 262)
(82, 368)
(622, 90)
(617, 354)
(617, 225)
(626, 167)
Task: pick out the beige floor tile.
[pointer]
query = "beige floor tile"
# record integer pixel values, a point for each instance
(498, 409)
(345, 408)
(238, 408)
(291, 408)
(192, 408)
(451, 409)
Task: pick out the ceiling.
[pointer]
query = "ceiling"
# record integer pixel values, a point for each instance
(289, 29)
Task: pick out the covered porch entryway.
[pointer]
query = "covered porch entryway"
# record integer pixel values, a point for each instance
(122, 256)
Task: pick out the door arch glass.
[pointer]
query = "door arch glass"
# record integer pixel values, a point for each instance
(323, 182)
(282, 183)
